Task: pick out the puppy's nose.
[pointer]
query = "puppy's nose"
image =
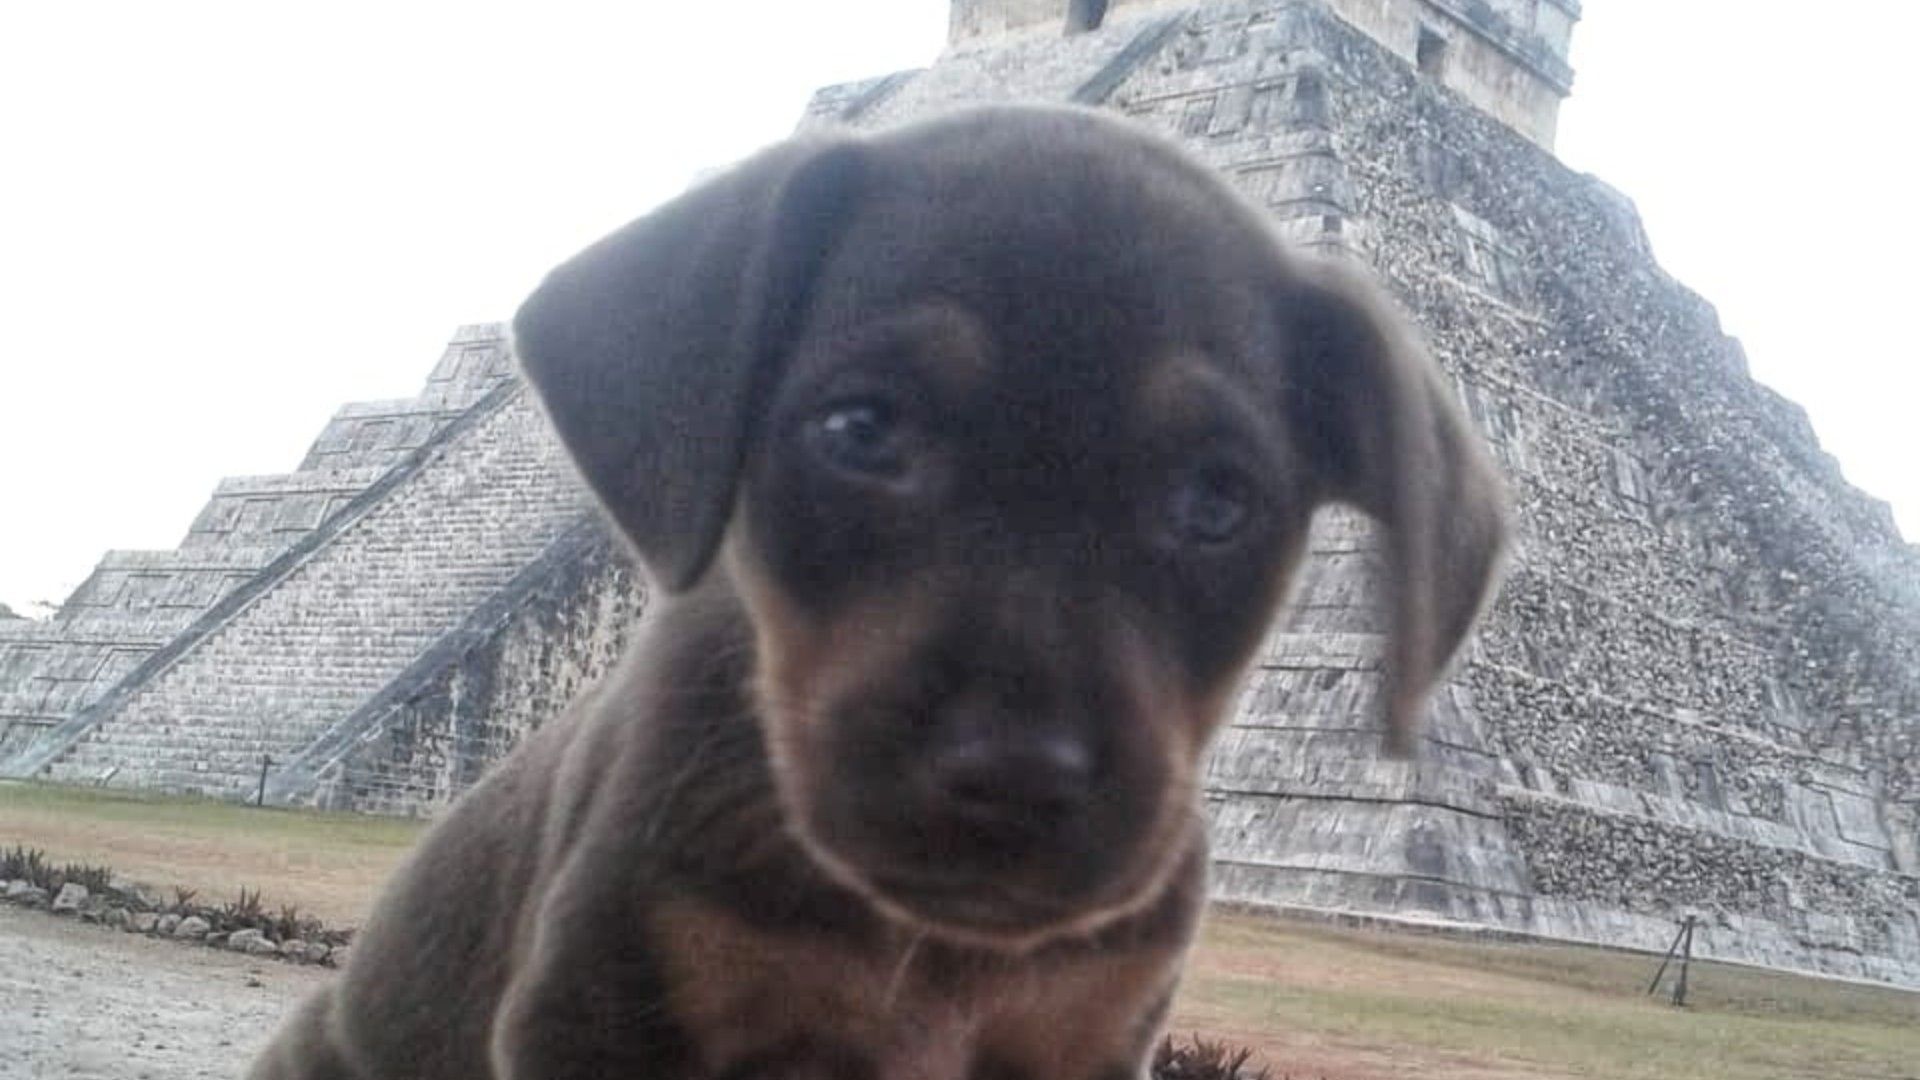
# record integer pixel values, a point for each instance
(1028, 783)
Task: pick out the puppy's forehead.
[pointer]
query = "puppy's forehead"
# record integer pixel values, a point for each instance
(1064, 235)
(939, 343)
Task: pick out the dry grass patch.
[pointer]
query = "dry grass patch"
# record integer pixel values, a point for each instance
(1369, 1004)
(330, 865)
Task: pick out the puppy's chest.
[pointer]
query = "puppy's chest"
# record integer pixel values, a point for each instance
(766, 1006)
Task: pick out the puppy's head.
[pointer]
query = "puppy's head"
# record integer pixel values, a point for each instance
(1009, 426)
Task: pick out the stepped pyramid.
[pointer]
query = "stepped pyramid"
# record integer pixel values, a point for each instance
(1698, 692)
(136, 602)
(304, 613)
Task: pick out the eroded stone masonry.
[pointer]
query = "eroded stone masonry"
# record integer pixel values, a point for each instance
(1698, 692)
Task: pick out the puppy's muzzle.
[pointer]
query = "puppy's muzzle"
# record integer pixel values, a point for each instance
(983, 804)
(1013, 789)
(994, 782)
(995, 830)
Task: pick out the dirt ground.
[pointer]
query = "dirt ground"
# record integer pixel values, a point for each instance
(82, 1002)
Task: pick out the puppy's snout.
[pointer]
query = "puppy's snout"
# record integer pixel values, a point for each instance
(1029, 783)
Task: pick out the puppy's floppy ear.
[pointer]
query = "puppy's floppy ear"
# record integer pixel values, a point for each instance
(654, 348)
(1382, 431)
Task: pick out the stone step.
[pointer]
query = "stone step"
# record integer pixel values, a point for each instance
(348, 618)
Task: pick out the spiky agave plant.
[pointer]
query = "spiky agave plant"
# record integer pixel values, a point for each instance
(1199, 1059)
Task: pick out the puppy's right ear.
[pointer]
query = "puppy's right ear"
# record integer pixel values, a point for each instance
(654, 349)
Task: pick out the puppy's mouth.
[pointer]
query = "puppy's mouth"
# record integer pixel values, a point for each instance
(983, 873)
(971, 907)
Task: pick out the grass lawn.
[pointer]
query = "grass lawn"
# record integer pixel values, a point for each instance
(328, 864)
(1366, 1004)
(1315, 1001)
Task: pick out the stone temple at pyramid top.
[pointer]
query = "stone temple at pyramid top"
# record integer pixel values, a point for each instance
(1508, 57)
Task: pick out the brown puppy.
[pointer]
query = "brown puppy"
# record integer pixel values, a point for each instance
(1005, 430)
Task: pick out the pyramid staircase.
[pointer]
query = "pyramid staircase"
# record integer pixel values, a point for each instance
(459, 492)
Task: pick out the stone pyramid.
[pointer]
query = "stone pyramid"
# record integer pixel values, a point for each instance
(1697, 694)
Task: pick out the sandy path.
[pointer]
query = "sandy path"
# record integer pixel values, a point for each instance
(81, 1002)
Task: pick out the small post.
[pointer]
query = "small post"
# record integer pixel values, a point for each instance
(1671, 950)
(260, 796)
(1686, 961)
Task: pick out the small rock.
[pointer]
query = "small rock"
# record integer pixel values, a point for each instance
(23, 892)
(252, 942)
(192, 928)
(166, 925)
(337, 956)
(294, 949)
(117, 917)
(72, 895)
(142, 922)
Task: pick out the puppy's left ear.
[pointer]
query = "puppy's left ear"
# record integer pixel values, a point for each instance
(1381, 430)
(653, 348)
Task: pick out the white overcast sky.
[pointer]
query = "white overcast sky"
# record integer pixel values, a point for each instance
(218, 222)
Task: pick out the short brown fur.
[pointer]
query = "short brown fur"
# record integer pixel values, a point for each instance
(972, 460)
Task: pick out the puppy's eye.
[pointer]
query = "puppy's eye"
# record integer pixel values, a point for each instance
(1210, 504)
(863, 437)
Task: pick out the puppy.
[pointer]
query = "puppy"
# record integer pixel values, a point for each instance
(973, 459)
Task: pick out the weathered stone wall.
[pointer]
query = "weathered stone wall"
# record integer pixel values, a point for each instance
(1674, 640)
(1642, 863)
(560, 634)
(969, 19)
(1509, 57)
(276, 511)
